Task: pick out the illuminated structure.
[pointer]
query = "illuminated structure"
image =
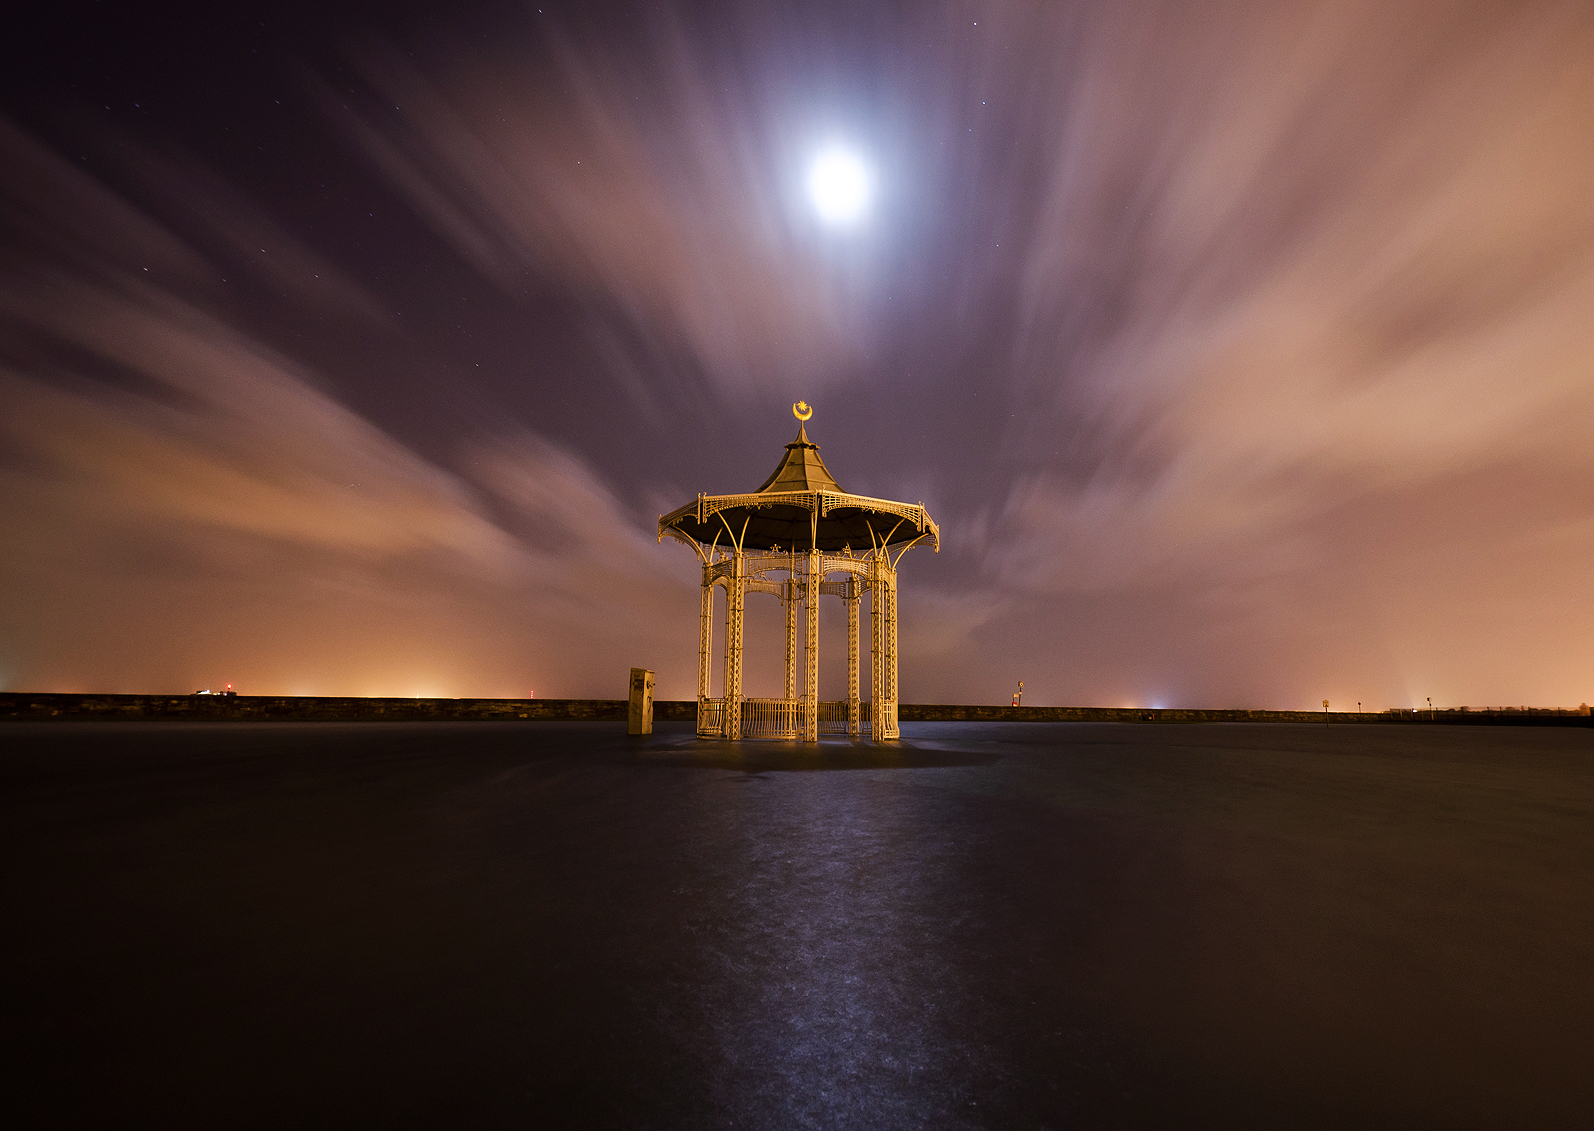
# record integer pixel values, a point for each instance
(800, 537)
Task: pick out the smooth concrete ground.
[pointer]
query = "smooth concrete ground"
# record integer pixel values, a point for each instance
(991, 925)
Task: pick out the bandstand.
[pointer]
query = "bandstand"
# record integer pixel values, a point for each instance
(800, 537)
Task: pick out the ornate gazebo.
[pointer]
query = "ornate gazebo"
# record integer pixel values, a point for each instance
(798, 537)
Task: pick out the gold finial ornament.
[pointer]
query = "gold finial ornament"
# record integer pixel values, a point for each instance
(802, 410)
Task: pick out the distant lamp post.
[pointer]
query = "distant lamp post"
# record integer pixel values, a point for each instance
(1325, 714)
(1430, 708)
(1018, 696)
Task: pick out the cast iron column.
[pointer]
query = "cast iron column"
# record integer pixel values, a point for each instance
(852, 655)
(735, 597)
(892, 728)
(811, 684)
(705, 643)
(792, 592)
(877, 674)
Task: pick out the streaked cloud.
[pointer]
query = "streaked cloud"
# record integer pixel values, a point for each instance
(209, 480)
(1241, 351)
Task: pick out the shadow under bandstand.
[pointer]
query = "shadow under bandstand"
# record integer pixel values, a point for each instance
(799, 537)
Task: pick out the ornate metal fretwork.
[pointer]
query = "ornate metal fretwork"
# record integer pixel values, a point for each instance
(705, 640)
(736, 595)
(800, 538)
(792, 589)
(851, 597)
(824, 502)
(877, 623)
(811, 649)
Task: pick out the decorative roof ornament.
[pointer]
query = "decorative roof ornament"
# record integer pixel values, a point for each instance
(800, 506)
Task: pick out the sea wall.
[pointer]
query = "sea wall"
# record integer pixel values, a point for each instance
(927, 712)
(306, 708)
(264, 708)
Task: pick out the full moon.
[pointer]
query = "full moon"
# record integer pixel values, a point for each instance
(838, 184)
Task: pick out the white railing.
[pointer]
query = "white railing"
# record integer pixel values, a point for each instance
(783, 718)
(771, 718)
(710, 717)
(833, 716)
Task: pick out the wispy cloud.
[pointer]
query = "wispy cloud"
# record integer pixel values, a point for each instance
(1241, 351)
(167, 470)
(640, 183)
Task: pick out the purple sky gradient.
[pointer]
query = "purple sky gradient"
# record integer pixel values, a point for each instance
(1244, 352)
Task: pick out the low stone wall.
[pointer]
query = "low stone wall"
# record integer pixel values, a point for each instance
(929, 712)
(307, 708)
(18, 705)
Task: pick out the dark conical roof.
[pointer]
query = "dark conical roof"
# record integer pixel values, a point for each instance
(801, 470)
(800, 506)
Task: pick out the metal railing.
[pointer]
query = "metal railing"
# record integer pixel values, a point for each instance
(783, 718)
(833, 716)
(771, 718)
(710, 718)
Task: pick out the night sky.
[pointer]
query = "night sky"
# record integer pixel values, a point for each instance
(1244, 352)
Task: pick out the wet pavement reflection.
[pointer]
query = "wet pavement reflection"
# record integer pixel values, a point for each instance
(985, 925)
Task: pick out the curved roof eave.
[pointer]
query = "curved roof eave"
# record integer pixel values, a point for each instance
(886, 521)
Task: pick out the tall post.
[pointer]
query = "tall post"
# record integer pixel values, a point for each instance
(791, 636)
(811, 684)
(705, 636)
(788, 710)
(791, 714)
(852, 655)
(877, 634)
(893, 730)
(735, 597)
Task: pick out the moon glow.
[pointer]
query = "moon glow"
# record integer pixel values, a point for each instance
(839, 186)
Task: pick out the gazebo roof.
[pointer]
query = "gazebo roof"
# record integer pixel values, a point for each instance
(800, 507)
(801, 470)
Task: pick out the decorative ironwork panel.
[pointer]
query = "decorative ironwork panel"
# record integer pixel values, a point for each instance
(711, 718)
(877, 621)
(811, 658)
(791, 637)
(705, 637)
(771, 718)
(852, 656)
(833, 717)
(733, 648)
(888, 721)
